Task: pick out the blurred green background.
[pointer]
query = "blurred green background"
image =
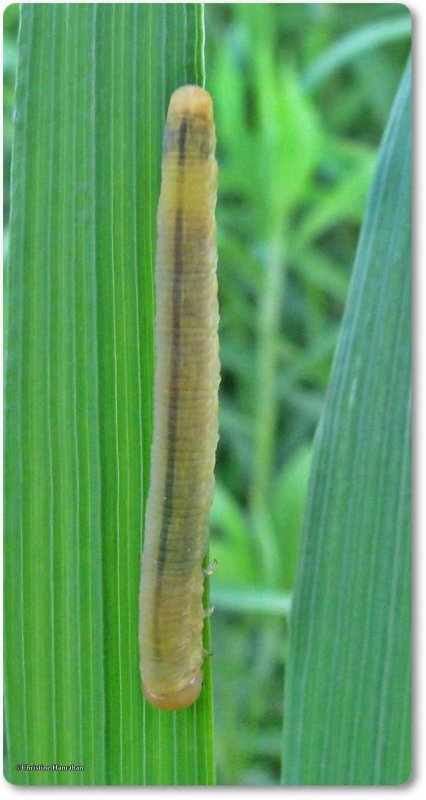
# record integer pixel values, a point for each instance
(302, 93)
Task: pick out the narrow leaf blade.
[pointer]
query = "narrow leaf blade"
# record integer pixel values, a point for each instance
(347, 700)
(93, 84)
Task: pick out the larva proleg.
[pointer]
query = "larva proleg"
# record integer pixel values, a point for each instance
(185, 407)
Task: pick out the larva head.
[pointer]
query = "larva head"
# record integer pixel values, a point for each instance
(189, 139)
(191, 101)
(177, 700)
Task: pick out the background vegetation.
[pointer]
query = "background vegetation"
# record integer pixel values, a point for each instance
(299, 120)
(347, 695)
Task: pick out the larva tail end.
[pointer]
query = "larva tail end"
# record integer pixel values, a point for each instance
(191, 101)
(175, 701)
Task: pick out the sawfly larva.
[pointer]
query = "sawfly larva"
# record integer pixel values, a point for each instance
(185, 407)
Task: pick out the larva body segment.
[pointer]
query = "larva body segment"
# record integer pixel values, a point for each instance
(185, 407)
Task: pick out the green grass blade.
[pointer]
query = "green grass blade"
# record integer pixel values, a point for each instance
(347, 700)
(92, 89)
(355, 44)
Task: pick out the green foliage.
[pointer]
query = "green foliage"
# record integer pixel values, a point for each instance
(298, 123)
(93, 83)
(356, 43)
(295, 165)
(348, 704)
(10, 31)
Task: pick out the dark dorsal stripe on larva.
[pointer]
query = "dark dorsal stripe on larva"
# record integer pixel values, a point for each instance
(185, 408)
(182, 141)
(173, 394)
(174, 382)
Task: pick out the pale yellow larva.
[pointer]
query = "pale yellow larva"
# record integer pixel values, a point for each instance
(185, 407)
